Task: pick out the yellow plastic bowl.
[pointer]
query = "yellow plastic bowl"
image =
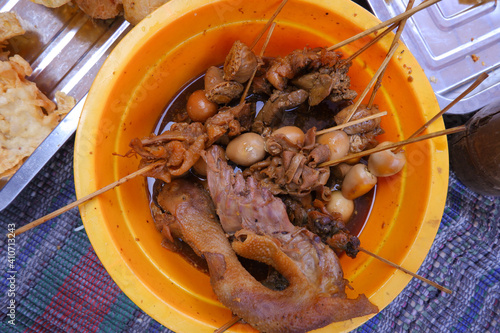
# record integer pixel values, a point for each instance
(178, 42)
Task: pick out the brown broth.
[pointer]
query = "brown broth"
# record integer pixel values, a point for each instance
(362, 208)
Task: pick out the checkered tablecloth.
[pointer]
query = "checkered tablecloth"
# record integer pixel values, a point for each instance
(61, 286)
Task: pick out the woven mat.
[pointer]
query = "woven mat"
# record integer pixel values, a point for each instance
(61, 286)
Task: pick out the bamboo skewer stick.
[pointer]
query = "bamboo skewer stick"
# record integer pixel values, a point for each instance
(473, 86)
(271, 23)
(249, 83)
(247, 88)
(227, 325)
(370, 43)
(261, 54)
(372, 81)
(268, 24)
(395, 145)
(401, 26)
(384, 24)
(86, 198)
(432, 283)
(352, 122)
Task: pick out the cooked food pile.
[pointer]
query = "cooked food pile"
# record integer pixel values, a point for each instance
(262, 231)
(242, 174)
(27, 116)
(133, 10)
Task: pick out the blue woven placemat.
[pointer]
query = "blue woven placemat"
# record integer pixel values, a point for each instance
(58, 284)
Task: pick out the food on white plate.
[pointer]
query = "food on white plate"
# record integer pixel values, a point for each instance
(27, 116)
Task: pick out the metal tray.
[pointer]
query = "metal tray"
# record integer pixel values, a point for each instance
(453, 43)
(66, 49)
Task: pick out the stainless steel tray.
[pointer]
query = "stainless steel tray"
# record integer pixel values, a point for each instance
(453, 43)
(66, 49)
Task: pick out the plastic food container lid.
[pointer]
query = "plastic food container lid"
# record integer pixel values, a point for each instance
(454, 42)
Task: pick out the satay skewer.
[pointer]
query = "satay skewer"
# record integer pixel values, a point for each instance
(390, 263)
(371, 43)
(261, 54)
(395, 145)
(88, 197)
(266, 42)
(473, 86)
(384, 24)
(383, 68)
(268, 24)
(352, 122)
(372, 82)
(271, 23)
(401, 26)
(227, 325)
(76, 203)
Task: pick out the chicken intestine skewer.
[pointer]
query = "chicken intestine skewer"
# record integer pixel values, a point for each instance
(351, 123)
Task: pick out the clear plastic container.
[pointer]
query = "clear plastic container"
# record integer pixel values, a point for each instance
(454, 42)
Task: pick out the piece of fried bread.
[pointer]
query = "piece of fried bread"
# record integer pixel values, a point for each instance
(27, 116)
